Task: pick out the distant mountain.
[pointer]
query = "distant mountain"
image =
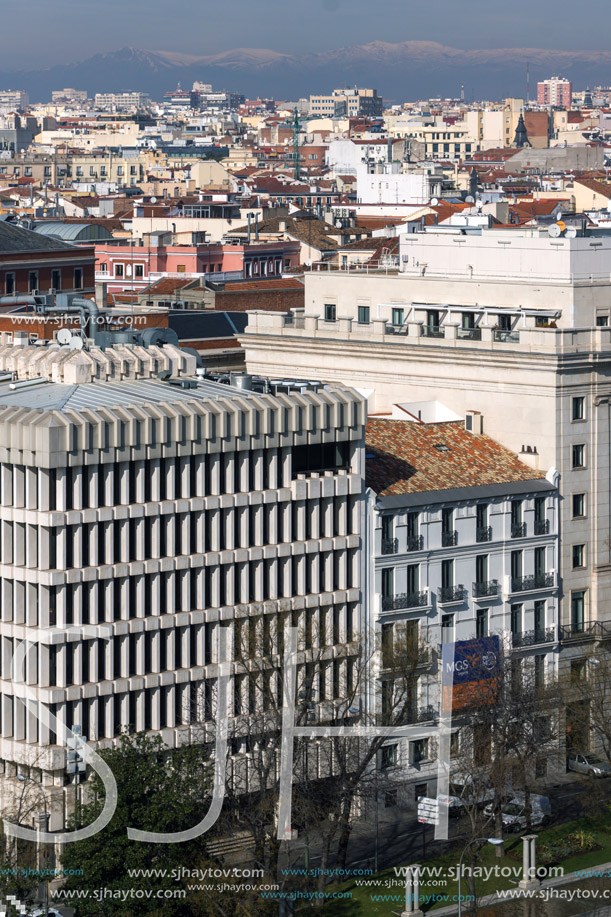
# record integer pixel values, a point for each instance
(400, 71)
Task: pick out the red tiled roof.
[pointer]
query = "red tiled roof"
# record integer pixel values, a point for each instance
(168, 285)
(402, 458)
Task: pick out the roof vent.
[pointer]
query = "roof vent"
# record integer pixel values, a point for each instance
(442, 447)
(474, 422)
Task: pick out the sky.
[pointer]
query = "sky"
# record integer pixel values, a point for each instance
(40, 33)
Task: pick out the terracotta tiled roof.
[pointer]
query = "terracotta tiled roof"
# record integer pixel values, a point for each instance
(403, 457)
(168, 285)
(598, 187)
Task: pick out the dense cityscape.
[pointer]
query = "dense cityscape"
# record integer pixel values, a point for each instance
(305, 502)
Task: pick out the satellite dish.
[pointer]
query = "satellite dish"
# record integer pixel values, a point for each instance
(434, 202)
(571, 233)
(76, 343)
(554, 231)
(153, 200)
(64, 336)
(479, 205)
(469, 199)
(559, 216)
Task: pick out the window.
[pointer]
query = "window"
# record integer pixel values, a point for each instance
(398, 316)
(388, 582)
(577, 611)
(56, 280)
(481, 622)
(602, 321)
(539, 671)
(539, 618)
(364, 312)
(118, 270)
(578, 670)
(578, 408)
(447, 628)
(579, 555)
(33, 281)
(419, 751)
(578, 456)
(516, 619)
(78, 278)
(9, 284)
(330, 312)
(447, 574)
(481, 568)
(139, 270)
(182, 268)
(389, 756)
(578, 505)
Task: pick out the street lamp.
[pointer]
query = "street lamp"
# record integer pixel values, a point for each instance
(495, 841)
(23, 779)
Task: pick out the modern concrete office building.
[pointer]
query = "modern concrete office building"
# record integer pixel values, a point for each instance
(513, 324)
(162, 511)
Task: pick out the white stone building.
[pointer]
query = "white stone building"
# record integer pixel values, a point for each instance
(465, 540)
(513, 324)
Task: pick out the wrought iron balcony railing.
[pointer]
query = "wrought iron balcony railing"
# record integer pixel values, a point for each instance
(542, 527)
(451, 593)
(390, 545)
(532, 581)
(491, 587)
(405, 600)
(448, 539)
(518, 529)
(483, 533)
(415, 542)
(534, 637)
(583, 630)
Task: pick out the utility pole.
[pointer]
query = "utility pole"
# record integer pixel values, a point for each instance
(296, 154)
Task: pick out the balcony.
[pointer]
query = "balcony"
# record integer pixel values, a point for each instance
(506, 337)
(415, 542)
(390, 545)
(518, 530)
(533, 637)
(427, 714)
(405, 600)
(469, 334)
(448, 539)
(432, 331)
(596, 630)
(483, 533)
(541, 526)
(484, 589)
(532, 581)
(448, 594)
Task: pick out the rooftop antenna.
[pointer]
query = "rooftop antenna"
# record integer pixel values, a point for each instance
(462, 92)
(527, 82)
(296, 167)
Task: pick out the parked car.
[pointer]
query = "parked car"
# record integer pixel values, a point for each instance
(592, 765)
(513, 812)
(465, 792)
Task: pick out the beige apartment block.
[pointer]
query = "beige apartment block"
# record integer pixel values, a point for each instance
(512, 324)
(163, 511)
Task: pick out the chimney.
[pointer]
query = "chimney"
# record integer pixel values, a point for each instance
(474, 422)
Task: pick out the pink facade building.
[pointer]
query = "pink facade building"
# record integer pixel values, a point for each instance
(557, 92)
(125, 266)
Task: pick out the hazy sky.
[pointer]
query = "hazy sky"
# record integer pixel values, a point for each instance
(37, 33)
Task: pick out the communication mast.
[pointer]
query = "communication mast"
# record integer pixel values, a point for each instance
(296, 153)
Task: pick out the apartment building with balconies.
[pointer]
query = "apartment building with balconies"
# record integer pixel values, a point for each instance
(465, 543)
(513, 324)
(138, 519)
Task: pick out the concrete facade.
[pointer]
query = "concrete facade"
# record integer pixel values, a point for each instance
(164, 512)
